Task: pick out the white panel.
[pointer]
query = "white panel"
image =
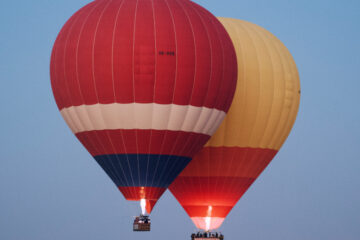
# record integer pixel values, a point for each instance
(96, 115)
(161, 115)
(203, 119)
(82, 113)
(110, 116)
(177, 116)
(191, 118)
(68, 120)
(143, 116)
(218, 120)
(77, 126)
(126, 116)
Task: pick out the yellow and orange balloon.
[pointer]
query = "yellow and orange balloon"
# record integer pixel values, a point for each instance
(260, 118)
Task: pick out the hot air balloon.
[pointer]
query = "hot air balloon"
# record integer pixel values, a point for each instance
(139, 82)
(260, 118)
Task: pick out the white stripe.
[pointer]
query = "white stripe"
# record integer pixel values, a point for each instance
(143, 116)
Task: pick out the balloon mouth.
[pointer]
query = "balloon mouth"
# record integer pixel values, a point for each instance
(207, 223)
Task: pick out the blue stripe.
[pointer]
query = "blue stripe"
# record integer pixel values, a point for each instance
(142, 170)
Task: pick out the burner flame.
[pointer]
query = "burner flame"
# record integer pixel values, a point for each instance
(143, 206)
(208, 219)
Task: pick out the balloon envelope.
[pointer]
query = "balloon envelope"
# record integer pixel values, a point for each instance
(143, 84)
(260, 118)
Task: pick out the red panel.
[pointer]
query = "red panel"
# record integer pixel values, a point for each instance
(185, 54)
(144, 53)
(123, 52)
(102, 52)
(71, 82)
(217, 62)
(218, 177)
(58, 71)
(142, 141)
(165, 62)
(150, 204)
(199, 84)
(85, 60)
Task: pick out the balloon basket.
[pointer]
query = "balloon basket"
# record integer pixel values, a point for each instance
(207, 236)
(142, 224)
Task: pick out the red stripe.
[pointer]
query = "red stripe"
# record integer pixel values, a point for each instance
(123, 57)
(58, 70)
(150, 204)
(231, 187)
(202, 211)
(169, 52)
(84, 78)
(103, 50)
(218, 177)
(137, 193)
(138, 141)
(229, 161)
(196, 194)
(144, 53)
(185, 54)
(151, 194)
(165, 42)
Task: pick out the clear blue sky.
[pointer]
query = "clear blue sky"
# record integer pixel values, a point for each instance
(51, 188)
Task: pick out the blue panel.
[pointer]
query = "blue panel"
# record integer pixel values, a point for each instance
(142, 170)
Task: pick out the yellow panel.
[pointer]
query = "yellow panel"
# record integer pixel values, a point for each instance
(267, 97)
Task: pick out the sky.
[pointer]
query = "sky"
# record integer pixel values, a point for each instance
(51, 188)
